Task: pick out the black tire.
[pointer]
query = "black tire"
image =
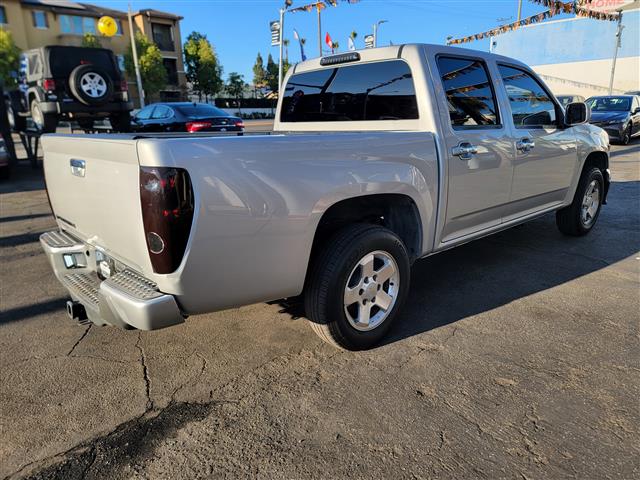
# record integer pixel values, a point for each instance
(626, 135)
(329, 274)
(44, 122)
(99, 98)
(569, 220)
(85, 123)
(5, 172)
(121, 122)
(17, 122)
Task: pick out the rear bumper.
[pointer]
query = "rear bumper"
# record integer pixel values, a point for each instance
(78, 108)
(125, 299)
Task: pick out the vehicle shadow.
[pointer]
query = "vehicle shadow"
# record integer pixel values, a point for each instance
(23, 178)
(516, 263)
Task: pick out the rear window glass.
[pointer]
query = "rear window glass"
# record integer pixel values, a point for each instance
(62, 61)
(372, 91)
(201, 110)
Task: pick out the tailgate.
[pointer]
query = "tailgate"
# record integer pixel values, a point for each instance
(93, 186)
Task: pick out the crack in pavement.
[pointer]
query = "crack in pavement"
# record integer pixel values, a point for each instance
(145, 373)
(82, 337)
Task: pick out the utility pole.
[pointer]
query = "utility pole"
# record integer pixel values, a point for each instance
(280, 64)
(615, 51)
(519, 10)
(375, 32)
(135, 59)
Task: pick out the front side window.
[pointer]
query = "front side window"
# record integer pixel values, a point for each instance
(160, 112)
(371, 91)
(470, 96)
(3, 16)
(40, 19)
(531, 105)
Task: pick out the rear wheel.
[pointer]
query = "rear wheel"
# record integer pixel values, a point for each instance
(121, 122)
(579, 218)
(45, 122)
(357, 285)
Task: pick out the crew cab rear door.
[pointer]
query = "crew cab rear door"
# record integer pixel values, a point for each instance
(479, 148)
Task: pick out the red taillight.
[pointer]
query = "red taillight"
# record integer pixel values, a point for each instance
(49, 84)
(123, 86)
(239, 124)
(197, 126)
(166, 196)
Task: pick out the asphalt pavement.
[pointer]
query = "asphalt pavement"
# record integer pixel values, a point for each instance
(516, 356)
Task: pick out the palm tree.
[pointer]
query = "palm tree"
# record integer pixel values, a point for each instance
(335, 48)
(285, 42)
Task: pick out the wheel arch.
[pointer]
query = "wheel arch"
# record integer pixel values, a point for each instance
(398, 212)
(600, 160)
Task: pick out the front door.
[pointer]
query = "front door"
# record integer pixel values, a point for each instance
(545, 153)
(479, 149)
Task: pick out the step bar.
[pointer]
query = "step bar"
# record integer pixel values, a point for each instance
(126, 299)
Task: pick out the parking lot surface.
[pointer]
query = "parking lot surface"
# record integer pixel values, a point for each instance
(516, 356)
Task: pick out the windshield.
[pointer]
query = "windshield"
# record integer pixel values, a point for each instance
(609, 104)
(199, 110)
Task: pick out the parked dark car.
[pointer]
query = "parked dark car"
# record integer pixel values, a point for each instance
(185, 117)
(618, 115)
(71, 83)
(633, 92)
(567, 99)
(5, 168)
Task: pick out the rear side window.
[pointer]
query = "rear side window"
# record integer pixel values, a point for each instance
(371, 91)
(469, 92)
(160, 112)
(531, 105)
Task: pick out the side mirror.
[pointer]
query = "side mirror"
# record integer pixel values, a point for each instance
(637, 110)
(577, 113)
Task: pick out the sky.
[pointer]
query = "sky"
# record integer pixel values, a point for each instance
(239, 29)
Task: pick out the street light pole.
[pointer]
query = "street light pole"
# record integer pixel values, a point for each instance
(615, 52)
(280, 64)
(319, 32)
(375, 32)
(135, 60)
(519, 9)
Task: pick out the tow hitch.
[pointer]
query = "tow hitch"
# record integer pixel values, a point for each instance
(76, 311)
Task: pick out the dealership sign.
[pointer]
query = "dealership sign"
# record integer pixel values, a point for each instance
(609, 5)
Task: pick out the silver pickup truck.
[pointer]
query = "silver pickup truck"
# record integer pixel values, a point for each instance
(378, 158)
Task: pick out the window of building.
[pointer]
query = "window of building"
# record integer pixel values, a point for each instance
(163, 36)
(40, 19)
(469, 92)
(171, 66)
(531, 105)
(3, 16)
(77, 25)
(371, 91)
(120, 31)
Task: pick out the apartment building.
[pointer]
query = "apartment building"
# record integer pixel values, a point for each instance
(36, 23)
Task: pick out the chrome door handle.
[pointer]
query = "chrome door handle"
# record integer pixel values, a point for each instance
(525, 144)
(464, 150)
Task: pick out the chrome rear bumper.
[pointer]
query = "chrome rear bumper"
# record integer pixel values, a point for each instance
(124, 299)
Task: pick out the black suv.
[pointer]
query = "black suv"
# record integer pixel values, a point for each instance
(72, 83)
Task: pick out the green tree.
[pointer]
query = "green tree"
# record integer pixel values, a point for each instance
(235, 87)
(336, 47)
(89, 40)
(272, 74)
(9, 58)
(152, 71)
(285, 44)
(259, 73)
(203, 68)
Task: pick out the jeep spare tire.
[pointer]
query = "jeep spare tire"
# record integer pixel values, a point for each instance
(90, 84)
